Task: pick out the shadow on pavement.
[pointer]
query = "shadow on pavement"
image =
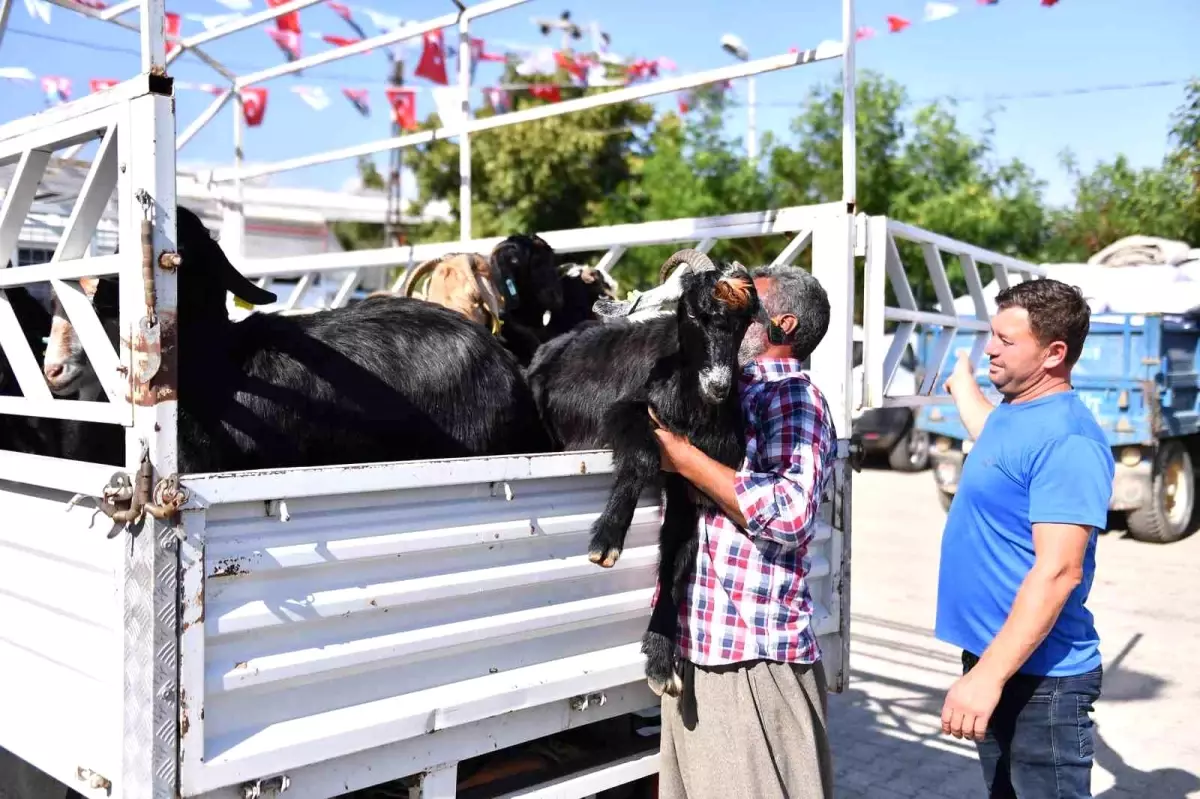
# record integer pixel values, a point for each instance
(886, 733)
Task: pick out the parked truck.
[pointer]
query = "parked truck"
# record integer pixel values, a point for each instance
(1139, 374)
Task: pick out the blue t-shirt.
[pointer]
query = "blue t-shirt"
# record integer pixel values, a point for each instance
(1046, 460)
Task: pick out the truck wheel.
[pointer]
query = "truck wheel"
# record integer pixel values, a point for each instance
(911, 452)
(1167, 517)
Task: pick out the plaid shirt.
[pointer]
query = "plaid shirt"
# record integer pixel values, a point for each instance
(748, 598)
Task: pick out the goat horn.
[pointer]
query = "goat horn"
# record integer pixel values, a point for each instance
(416, 273)
(693, 258)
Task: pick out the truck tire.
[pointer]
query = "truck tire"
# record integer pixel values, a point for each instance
(910, 453)
(1169, 514)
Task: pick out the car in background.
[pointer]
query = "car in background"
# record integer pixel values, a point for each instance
(891, 431)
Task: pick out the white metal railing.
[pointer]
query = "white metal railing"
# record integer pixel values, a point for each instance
(105, 117)
(884, 266)
(796, 222)
(464, 127)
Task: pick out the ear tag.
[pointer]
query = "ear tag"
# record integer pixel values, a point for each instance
(512, 287)
(240, 303)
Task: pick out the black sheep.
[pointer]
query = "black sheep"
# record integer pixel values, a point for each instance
(595, 387)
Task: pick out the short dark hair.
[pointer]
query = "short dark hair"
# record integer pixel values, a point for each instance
(1057, 312)
(795, 291)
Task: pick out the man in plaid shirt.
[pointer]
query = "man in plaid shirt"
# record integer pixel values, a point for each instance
(751, 719)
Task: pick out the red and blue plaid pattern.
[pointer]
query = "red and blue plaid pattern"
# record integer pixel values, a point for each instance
(748, 598)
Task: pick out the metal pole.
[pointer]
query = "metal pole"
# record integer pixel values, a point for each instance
(5, 8)
(154, 35)
(849, 141)
(235, 245)
(464, 139)
(751, 128)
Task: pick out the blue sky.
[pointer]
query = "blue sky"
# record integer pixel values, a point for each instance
(1016, 47)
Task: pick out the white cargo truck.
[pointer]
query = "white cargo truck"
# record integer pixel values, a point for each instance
(318, 631)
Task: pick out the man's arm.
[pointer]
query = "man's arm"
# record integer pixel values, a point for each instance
(1059, 550)
(780, 500)
(712, 477)
(1070, 486)
(973, 406)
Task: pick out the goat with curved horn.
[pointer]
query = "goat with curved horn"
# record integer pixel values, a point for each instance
(697, 260)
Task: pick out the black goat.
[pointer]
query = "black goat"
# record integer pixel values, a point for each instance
(71, 376)
(529, 283)
(386, 379)
(33, 435)
(595, 387)
(582, 286)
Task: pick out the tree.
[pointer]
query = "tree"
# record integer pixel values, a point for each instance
(1115, 200)
(690, 169)
(544, 175)
(925, 171)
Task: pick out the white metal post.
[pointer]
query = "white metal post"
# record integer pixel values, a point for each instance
(464, 139)
(233, 223)
(154, 35)
(147, 192)
(5, 10)
(849, 118)
(751, 121)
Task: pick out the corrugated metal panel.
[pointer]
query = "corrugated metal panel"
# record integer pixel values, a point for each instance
(451, 593)
(60, 635)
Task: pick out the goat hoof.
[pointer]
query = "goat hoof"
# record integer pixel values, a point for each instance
(605, 557)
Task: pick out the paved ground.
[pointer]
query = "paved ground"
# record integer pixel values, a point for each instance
(886, 727)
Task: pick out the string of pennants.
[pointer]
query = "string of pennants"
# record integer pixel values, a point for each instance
(600, 68)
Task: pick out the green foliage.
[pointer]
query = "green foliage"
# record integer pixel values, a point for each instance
(623, 164)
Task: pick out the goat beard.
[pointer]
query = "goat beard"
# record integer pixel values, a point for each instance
(754, 343)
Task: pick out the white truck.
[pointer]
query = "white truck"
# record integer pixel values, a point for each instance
(318, 631)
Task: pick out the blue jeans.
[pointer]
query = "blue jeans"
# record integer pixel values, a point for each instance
(1039, 742)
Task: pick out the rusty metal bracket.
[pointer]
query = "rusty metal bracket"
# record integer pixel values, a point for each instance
(147, 339)
(126, 501)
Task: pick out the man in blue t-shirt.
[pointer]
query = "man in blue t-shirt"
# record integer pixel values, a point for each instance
(1019, 549)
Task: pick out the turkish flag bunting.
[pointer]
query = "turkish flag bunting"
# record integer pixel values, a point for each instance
(100, 84)
(172, 29)
(359, 97)
(341, 10)
(289, 21)
(897, 24)
(288, 41)
(547, 92)
(254, 104)
(339, 41)
(433, 59)
(404, 107)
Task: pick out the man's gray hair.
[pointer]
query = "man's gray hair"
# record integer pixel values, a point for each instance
(795, 291)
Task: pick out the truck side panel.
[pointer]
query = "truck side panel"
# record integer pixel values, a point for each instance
(61, 611)
(324, 626)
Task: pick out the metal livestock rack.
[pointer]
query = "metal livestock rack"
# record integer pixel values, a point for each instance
(322, 630)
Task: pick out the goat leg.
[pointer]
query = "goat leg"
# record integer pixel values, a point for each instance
(636, 463)
(677, 543)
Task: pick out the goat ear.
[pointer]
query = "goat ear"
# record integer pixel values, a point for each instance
(89, 285)
(607, 308)
(240, 286)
